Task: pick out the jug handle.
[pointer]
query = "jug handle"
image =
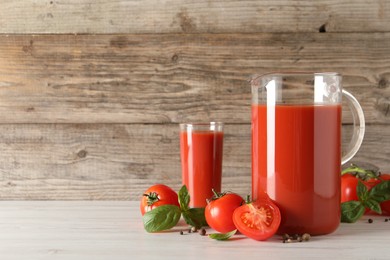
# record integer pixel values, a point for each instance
(358, 127)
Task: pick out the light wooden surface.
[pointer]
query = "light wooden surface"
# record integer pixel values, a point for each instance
(91, 92)
(178, 16)
(113, 230)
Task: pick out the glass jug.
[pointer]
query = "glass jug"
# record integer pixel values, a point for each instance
(296, 147)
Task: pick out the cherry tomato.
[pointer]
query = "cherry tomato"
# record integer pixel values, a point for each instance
(258, 220)
(348, 190)
(158, 195)
(348, 187)
(219, 212)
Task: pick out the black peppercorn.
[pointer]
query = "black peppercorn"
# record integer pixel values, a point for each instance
(306, 237)
(202, 232)
(181, 232)
(370, 220)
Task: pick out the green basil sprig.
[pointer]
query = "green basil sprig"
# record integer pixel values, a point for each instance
(223, 236)
(351, 211)
(161, 218)
(184, 198)
(192, 216)
(167, 216)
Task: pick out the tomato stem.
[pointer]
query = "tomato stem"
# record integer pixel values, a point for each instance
(361, 173)
(248, 199)
(216, 194)
(152, 197)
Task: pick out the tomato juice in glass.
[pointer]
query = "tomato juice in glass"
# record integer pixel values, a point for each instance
(296, 147)
(201, 149)
(297, 160)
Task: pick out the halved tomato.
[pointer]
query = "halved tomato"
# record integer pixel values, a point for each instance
(258, 220)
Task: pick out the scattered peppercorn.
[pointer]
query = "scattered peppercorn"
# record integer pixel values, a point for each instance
(189, 230)
(194, 229)
(286, 238)
(386, 220)
(202, 232)
(370, 220)
(306, 237)
(181, 232)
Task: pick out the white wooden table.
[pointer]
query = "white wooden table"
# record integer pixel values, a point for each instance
(113, 230)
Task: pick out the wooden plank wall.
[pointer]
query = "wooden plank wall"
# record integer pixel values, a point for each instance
(91, 92)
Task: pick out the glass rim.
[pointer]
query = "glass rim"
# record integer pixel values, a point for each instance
(295, 73)
(202, 126)
(202, 123)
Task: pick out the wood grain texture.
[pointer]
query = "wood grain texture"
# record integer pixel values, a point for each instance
(120, 161)
(177, 16)
(91, 91)
(172, 78)
(101, 230)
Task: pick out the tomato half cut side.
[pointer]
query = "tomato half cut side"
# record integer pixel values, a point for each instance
(258, 220)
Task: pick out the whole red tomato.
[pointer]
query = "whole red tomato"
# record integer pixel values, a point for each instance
(348, 187)
(258, 220)
(219, 212)
(158, 195)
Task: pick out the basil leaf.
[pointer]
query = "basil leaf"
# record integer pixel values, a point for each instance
(361, 191)
(373, 205)
(351, 211)
(192, 216)
(380, 192)
(223, 236)
(161, 218)
(195, 217)
(184, 198)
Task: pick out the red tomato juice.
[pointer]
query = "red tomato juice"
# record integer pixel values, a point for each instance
(296, 159)
(201, 155)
